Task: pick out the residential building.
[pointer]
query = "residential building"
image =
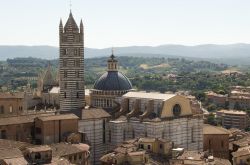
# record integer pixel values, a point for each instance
(241, 156)
(11, 104)
(197, 158)
(139, 151)
(233, 119)
(217, 99)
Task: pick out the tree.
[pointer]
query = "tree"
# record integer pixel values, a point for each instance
(211, 119)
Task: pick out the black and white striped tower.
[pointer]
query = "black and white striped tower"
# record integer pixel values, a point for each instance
(72, 94)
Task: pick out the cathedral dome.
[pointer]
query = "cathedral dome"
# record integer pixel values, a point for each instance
(113, 81)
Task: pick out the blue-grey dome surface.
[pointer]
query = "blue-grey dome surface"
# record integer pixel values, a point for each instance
(113, 80)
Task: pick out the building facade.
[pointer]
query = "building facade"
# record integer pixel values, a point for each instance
(11, 104)
(233, 119)
(216, 141)
(71, 66)
(157, 115)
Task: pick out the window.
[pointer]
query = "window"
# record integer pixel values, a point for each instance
(65, 85)
(110, 136)
(38, 130)
(65, 74)
(77, 63)
(1, 109)
(141, 146)
(11, 108)
(103, 131)
(133, 133)
(65, 51)
(124, 135)
(77, 94)
(77, 74)
(46, 155)
(3, 134)
(80, 156)
(161, 146)
(37, 155)
(64, 63)
(149, 147)
(209, 145)
(75, 157)
(77, 85)
(65, 96)
(177, 110)
(222, 144)
(192, 135)
(75, 52)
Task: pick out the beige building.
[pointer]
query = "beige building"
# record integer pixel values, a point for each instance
(20, 128)
(55, 128)
(241, 156)
(233, 119)
(138, 151)
(19, 153)
(39, 128)
(216, 141)
(197, 158)
(217, 99)
(11, 104)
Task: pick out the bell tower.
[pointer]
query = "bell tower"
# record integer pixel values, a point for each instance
(71, 66)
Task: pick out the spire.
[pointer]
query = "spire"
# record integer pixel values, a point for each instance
(61, 26)
(81, 27)
(71, 24)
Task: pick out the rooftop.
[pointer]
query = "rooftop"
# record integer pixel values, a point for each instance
(209, 129)
(41, 148)
(8, 95)
(233, 112)
(62, 149)
(149, 95)
(58, 117)
(55, 90)
(94, 113)
(28, 118)
(17, 160)
(4, 144)
(242, 151)
(10, 153)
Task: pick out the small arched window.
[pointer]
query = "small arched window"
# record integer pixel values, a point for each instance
(177, 110)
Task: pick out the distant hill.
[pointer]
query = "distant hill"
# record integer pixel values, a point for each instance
(230, 54)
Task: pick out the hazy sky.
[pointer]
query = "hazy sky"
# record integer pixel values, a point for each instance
(127, 22)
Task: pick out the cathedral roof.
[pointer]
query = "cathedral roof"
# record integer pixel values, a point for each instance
(113, 80)
(71, 24)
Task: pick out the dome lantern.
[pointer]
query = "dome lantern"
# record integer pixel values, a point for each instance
(112, 62)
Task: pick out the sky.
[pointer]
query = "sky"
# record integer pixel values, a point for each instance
(114, 23)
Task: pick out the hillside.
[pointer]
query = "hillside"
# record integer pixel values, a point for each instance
(234, 54)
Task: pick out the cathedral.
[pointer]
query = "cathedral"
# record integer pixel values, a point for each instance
(115, 112)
